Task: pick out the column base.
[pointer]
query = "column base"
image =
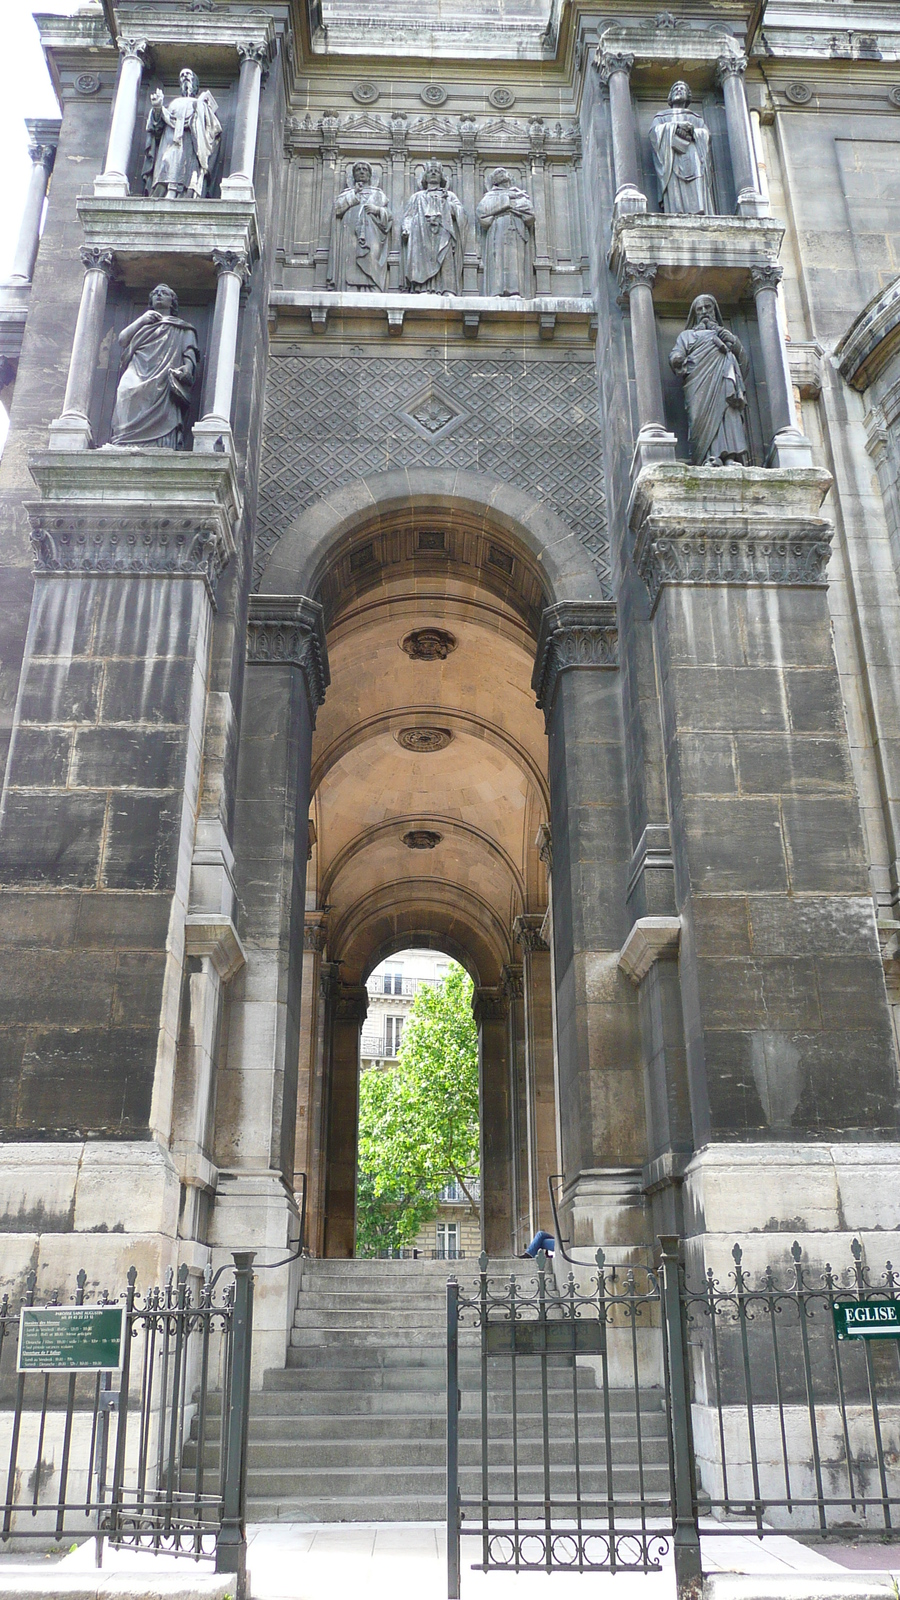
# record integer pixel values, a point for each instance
(95, 1204)
(751, 203)
(256, 1211)
(213, 436)
(653, 445)
(237, 187)
(70, 433)
(629, 201)
(112, 186)
(790, 448)
(607, 1208)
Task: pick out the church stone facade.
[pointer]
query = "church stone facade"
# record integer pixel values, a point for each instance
(452, 502)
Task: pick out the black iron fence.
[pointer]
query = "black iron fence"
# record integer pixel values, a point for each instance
(124, 1417)
(597, 1423)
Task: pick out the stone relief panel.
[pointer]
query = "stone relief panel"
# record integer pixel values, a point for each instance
(528, 421)
(542, 157)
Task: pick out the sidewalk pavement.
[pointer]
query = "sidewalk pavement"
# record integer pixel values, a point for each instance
(406, 1561)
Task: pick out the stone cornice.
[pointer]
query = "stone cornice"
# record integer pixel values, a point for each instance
(729, 525)
(512, 981)
(289, 631)
(871, 339)
(132, 226)
(350, 1002)
(684, 249)
(215, 937)
(651, 939)
(490, 1005)
(573, 634)
(134, 513)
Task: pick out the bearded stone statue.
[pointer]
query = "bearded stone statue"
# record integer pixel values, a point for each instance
(712, 364)
(182, 142)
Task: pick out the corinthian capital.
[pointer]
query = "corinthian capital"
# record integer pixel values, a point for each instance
(96, 259)
(233, 261)
(766, 277)
(730, 67)
(609, 61)
(634, 275)
(134, 50)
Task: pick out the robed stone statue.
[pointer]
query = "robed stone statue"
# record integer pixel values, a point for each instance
(362, 233)
(160, 357)
(507, 216)
(183, 140)
(712, 364)
(679, 139)
(433, 231)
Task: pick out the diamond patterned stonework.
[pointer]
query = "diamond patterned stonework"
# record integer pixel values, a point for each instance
(531, 422)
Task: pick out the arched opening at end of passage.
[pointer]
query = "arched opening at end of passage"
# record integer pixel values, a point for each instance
(419, 1139)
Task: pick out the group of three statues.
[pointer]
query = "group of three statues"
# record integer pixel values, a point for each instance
(433, 232)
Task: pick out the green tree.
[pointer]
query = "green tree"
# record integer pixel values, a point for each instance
(418, 1120)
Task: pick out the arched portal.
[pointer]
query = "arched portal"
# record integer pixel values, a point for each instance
(429, 796)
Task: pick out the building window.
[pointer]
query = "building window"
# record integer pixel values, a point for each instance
(393, 982)
(448, 1241)
(393, 1029)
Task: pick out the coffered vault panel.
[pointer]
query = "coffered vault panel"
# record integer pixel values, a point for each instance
(529, 421)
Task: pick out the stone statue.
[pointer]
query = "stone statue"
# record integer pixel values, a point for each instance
(183, 142)
(160, 357)
(712, 364)
(679, 139)
(362, 234)
(507, 216)
(433, 230)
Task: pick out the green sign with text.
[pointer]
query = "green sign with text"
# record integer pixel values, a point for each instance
(71, 1338)
(867, 1319)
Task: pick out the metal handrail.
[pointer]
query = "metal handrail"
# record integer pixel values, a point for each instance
(557, 1231)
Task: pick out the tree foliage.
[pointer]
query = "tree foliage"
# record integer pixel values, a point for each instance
(418, 1120)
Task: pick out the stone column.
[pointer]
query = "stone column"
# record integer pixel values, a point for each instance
(730, 74)
(467, 129)
(349, 1005)
(398, 196)
(256, 1116)
(490, 1009)
(788, 446)
(787, 1032)
(43, 157)
(72, 429)
(113, 181)
(654, 442)
(309, 1146)
(213, 431)
(239, 183)
(615, 72)
(323, 265)
(543, 1158)
(537, 136)
(602, 1121)
(513, 990)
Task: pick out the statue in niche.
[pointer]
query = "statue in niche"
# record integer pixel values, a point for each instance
(679, 139)
(160, 357)
(433, 231)
(183, 142)
(712, 364)
(363, 233)
(507, 216)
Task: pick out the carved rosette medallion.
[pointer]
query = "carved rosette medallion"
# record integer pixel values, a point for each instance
(423, 741)
(501, 98)
(422, 839)
(428, 644)
(433, 94)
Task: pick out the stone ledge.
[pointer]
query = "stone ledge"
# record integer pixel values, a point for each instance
(68, 1583)
(799, 1586)
(216, 937)
(134, 513)
(694, 255)
(140, 231)
(729, 525)
(547, 313)
(651, 939)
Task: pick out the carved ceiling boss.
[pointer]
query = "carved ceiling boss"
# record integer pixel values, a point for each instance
(183, 141)
(160, 356)
(433, 229)
(362, 233)
(679, 139)
(712, 364)
(507, 216)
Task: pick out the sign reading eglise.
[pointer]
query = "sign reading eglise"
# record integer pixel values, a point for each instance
(867, 1319)
(71, 1338)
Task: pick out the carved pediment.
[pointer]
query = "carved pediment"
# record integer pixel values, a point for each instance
(431, 128)
(365, 126)
(502, 128)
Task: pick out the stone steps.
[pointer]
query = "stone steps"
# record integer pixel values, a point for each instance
(352, 1428)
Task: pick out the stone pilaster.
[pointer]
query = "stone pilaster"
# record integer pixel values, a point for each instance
(786, 1020)
(349, 1004)
(598, 1051)
(513, 989)
(491, 1010)
(540, 1087)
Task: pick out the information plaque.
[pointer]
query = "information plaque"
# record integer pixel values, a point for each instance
(867, 1319)
(71, 1338)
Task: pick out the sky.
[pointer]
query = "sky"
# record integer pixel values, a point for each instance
(27, 92)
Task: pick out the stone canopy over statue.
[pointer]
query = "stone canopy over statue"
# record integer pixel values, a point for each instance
(183, 141)
(712, 364)
(160, 357)
(507, 216)
(362, 233)
(433, 231)
(679, 140)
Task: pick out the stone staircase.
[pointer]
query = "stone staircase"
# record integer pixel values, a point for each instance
(353, 1428)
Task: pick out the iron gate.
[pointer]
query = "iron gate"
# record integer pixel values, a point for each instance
(560, 1450)
(151, 1455)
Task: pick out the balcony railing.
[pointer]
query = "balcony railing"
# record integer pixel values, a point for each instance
(388, 983)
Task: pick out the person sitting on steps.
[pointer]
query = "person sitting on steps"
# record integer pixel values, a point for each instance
(541, 1241)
